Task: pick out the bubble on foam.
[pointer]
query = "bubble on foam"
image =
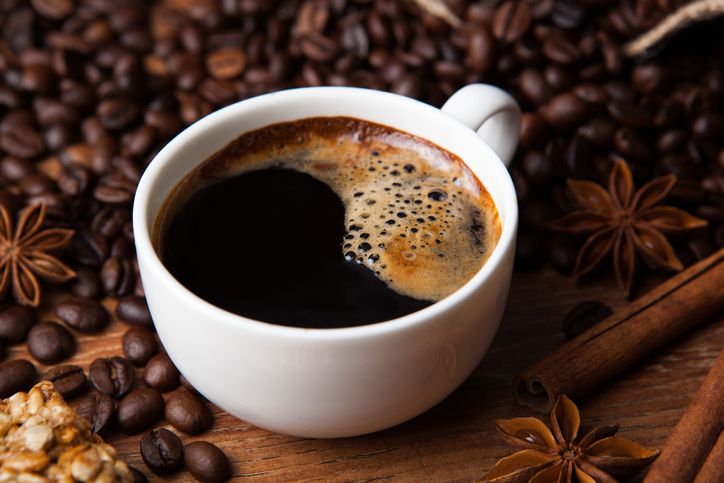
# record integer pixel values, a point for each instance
(414, 214)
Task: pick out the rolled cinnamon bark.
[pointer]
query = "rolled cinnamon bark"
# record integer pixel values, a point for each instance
(695, 449)
(609, 347)
(713, 467)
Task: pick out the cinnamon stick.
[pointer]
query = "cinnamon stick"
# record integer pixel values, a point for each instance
(695, 449)
(606, 349)
(713, 466)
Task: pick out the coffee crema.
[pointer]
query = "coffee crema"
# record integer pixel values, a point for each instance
(333, 221)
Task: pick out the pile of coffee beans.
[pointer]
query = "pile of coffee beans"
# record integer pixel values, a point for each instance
(90, 91)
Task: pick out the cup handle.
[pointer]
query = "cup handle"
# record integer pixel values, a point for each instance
(492, 113)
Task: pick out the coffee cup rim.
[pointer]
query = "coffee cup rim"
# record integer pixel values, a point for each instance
(143, 220)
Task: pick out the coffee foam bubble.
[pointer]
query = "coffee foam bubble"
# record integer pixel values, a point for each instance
(414, 213)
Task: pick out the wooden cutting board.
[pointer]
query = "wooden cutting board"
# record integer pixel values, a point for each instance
(456, 440)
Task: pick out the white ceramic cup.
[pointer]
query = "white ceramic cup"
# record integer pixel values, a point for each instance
(347, 381)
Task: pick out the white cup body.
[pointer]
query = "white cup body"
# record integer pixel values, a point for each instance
(325, 382)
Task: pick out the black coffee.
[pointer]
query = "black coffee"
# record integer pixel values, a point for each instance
(281, 262)
(327, 222)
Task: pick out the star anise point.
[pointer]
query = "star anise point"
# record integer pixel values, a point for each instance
(628, 223)
(24, 254)
(561, 456)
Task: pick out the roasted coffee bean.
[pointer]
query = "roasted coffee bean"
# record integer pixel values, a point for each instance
(559, 50)
(187, 412)
(74, 180)
(139, 345)
(121, 247)
(567, 14)
(109, 222)
(481, 50)
(620, 92)
(113, 376)
(206, 462)
(96, 408)
(36, 184)
(88, 248)
(671, 140)
(534, 87)
(579, 158)
(713, 184)
(599, 131)
(632, 115)
(15, 169)
(590, 93)
(79, 155)
(117, 276)
(630, 145)
(15, 322)
(141, 139)
(139, 409)
(52, 111)
(709, 126)
(612, 55)
(648, 78)
(20, 140)
(533, 131)
(57, 136)
(160, 373)
(558, 77)
(138, 477)
(54, 9)
(86, 283)
(226, 63)
(538, 169)
(584, 316)
(3, 349)
(162, 451)
(318, 47)
(133, 310)
(68, 380)
(114, 190)
(713, 213)
(83, 314)
(701, 151)
(54, 204)
(511, 21)
(17, 375)
(117, 113)
(50, 342)
(564, 111)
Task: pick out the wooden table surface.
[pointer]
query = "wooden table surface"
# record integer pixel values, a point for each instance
(456, 440)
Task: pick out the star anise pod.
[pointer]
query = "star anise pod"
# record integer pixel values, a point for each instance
(24, 254)
(625, 223)
(561, 455)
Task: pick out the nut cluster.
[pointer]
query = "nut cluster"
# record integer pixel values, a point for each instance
(41, 439)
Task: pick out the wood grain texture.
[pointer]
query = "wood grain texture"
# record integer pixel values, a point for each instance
(456, 440)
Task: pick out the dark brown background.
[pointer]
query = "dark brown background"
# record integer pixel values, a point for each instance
(456, 440)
